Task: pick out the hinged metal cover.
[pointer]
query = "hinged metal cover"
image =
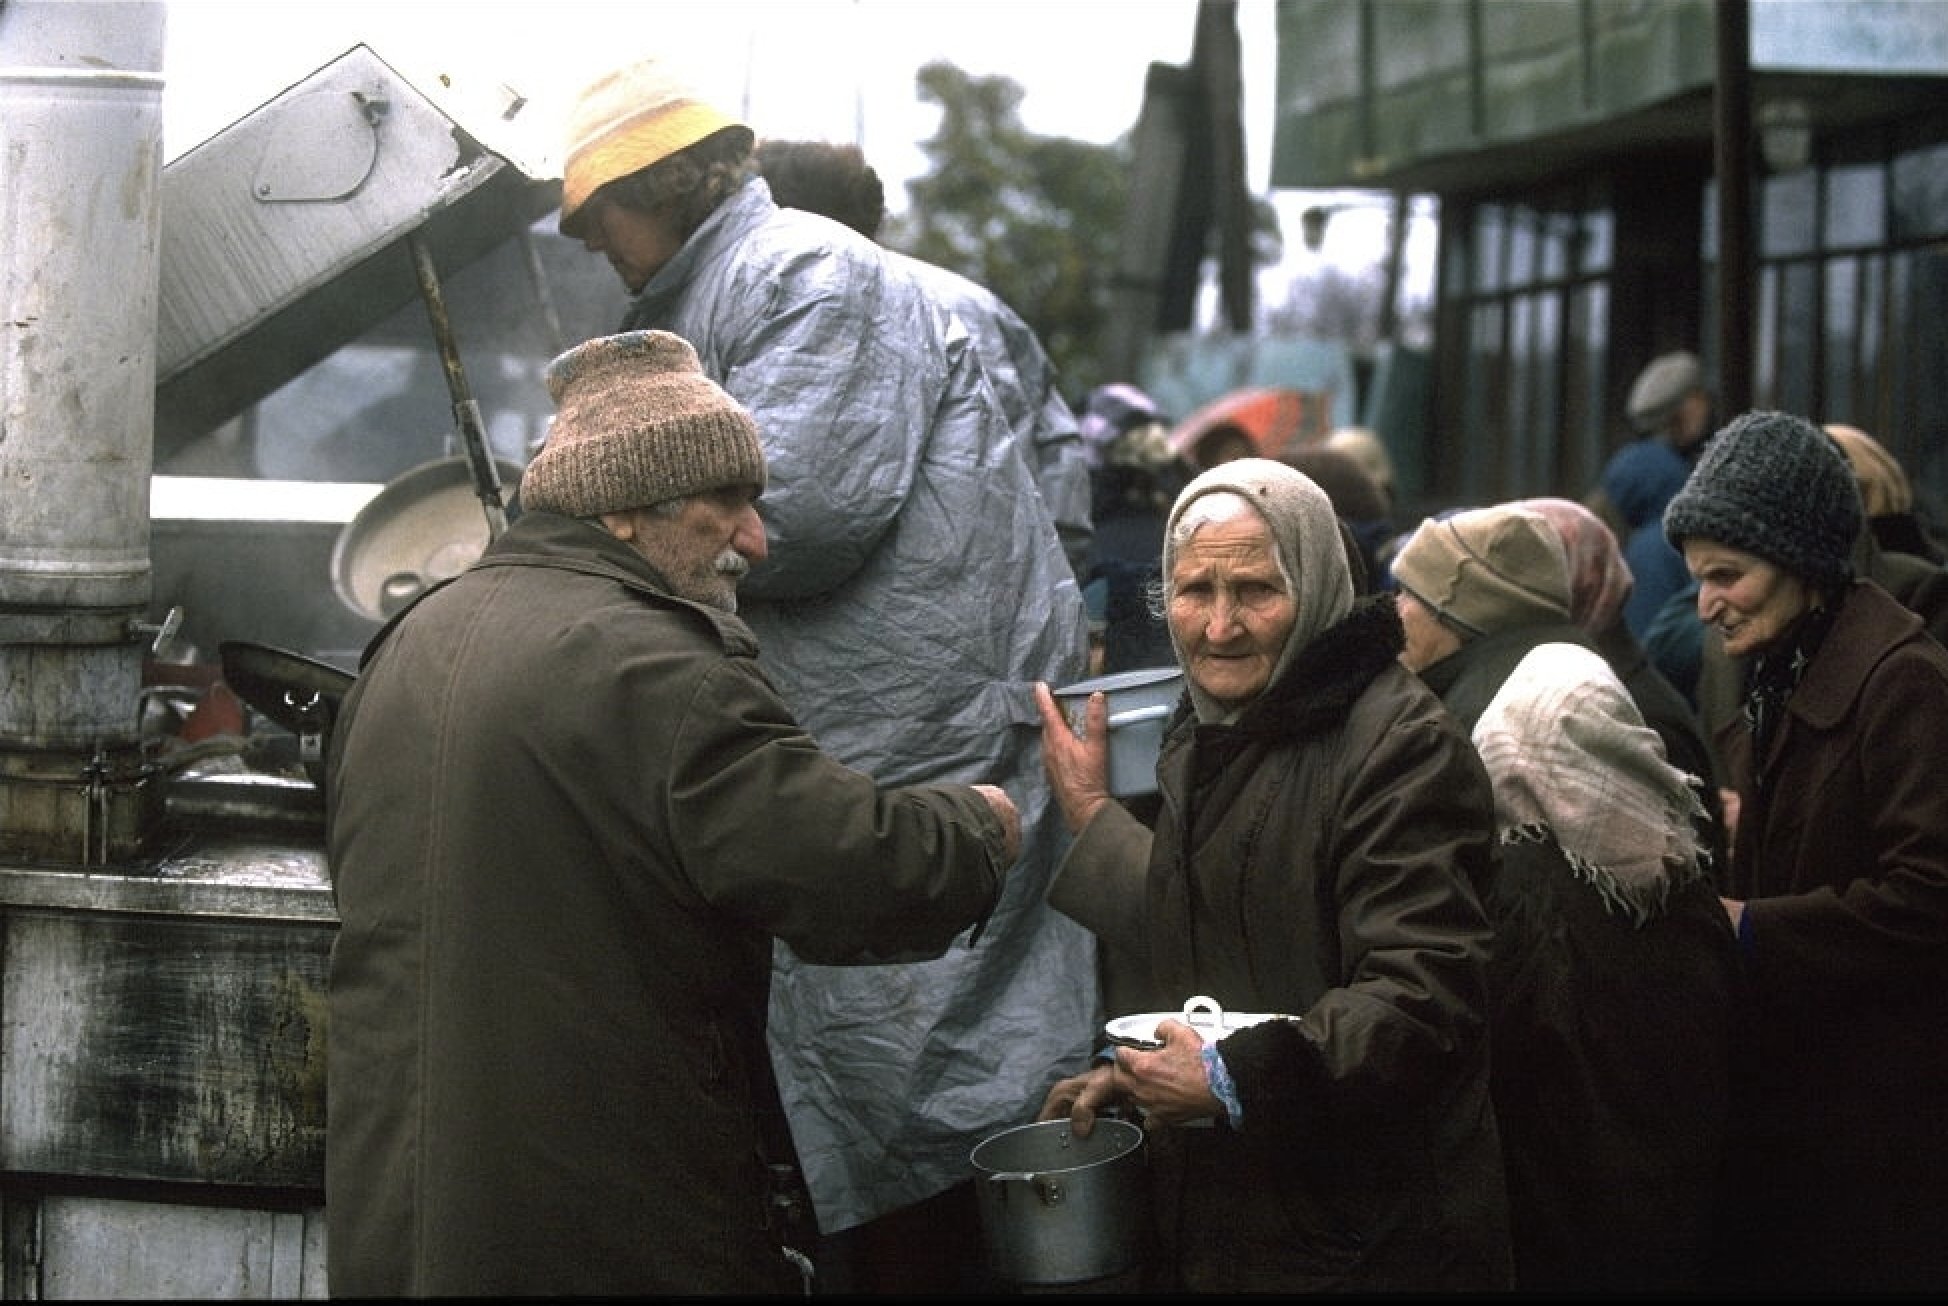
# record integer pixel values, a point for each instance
(283, 236)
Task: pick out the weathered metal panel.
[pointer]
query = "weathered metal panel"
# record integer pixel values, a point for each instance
(1368, 90)
(1533, 79)
(1647, 51)
(283, 235)
(1424, 101)
(95, 1248)
(1863, 36)
(167, 1027)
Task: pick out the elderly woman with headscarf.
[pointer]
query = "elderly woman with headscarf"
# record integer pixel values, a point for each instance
(1599, 583)
(1838, 884)
(1613, 987)
(1324, 839)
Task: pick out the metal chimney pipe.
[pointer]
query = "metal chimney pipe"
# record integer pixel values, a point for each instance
(80, 196)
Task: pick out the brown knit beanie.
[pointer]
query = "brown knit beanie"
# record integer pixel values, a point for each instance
(626, 120)
(637, 422)
(1487, 569)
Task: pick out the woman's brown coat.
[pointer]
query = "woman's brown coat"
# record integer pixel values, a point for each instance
(1841, 856)
(1325, 857)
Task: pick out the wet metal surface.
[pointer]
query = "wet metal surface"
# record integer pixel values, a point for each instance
(167, 1022)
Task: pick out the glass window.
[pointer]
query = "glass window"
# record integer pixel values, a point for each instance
(1583, 438)
(1541, 426)
(1599, 240)
(1490, 228)
(1765, 337)
(1560, 237)
(1798, 311)
(1840, 313)
(1789, 211)
(1921, 193)
(1522, 241)
(1873, 309)
(1856, 206)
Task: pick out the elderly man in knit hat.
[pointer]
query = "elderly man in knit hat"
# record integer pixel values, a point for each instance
(915, 589)
(569, 816)
(1476, 591)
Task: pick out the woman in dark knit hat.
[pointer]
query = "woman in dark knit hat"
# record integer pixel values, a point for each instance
(1838, 883)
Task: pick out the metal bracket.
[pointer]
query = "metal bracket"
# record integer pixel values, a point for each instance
(322, 146)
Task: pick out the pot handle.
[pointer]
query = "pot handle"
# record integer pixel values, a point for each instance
(1137, 715)
(1047, 1188)
(1210, 1009)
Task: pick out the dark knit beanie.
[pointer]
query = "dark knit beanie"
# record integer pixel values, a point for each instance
(638, 422)
(1776, 486)
(1487, 569)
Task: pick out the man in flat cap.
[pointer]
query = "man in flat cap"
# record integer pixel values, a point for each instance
(568, 816)
(1670, 409)
(915, 590)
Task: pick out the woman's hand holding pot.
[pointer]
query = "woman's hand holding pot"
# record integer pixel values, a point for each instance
(1077, 761)
(1168, 1086)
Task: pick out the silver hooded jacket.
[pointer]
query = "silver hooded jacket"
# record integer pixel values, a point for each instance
(916, 589)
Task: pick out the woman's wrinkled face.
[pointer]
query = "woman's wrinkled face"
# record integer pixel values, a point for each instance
(1750, 602)
(1230, 609)
(637, 244)
(1429, 639)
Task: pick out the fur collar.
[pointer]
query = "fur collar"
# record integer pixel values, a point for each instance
(1327, 676)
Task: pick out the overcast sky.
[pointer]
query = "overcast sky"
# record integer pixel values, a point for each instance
(820, 69)
(830, 69)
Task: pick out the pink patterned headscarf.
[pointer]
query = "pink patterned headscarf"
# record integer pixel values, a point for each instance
(1599, 578)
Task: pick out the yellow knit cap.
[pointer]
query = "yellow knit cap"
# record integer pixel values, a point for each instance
(626, 120)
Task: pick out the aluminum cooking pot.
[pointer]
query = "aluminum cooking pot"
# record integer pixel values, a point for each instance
(1140, 703)
(1059, 1209)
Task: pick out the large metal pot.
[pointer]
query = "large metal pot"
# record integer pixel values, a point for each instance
(1059, 1209)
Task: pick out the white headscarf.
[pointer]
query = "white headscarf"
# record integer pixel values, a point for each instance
(1305, 535)
(1570, 755)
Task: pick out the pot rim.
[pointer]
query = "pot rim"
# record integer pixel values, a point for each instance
(1137, 678)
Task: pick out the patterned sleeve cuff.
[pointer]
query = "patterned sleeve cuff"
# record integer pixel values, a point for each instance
(1222, 1088)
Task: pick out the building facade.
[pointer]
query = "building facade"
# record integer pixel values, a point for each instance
(1575, 148)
